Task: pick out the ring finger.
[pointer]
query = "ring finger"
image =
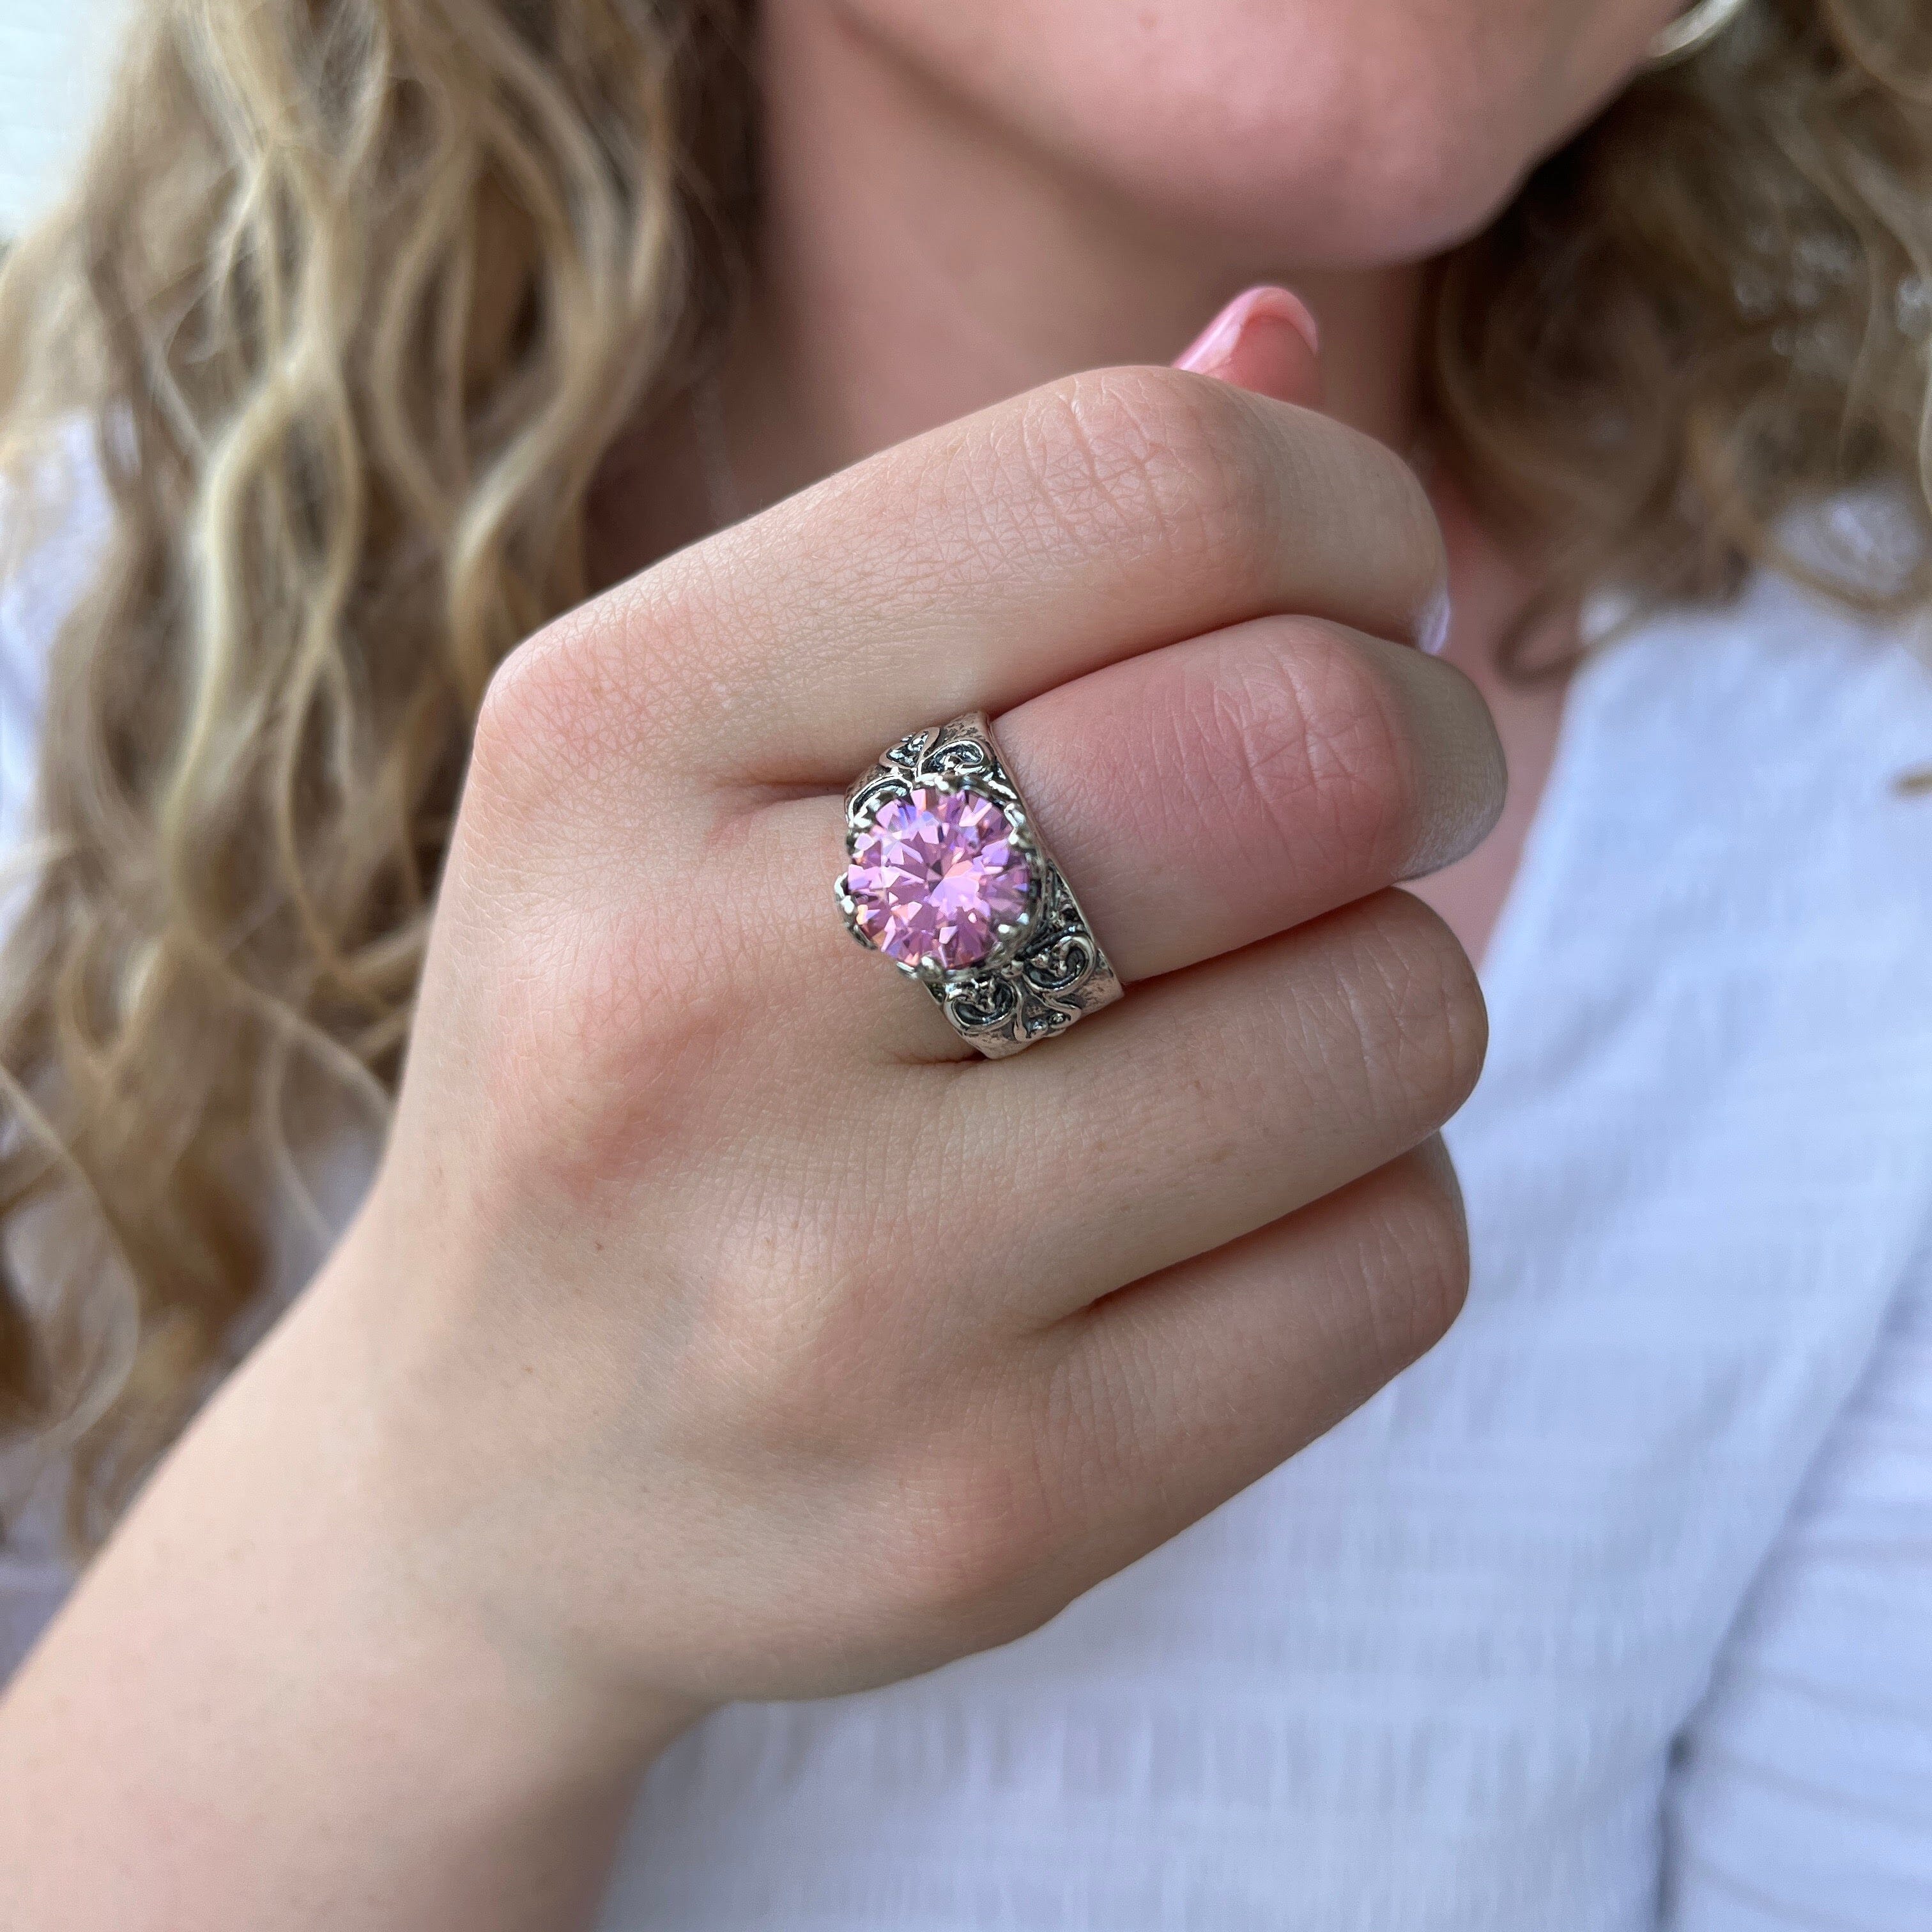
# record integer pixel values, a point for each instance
(1217, 792)
(1198, 798)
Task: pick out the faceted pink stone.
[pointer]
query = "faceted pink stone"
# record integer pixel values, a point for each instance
(934, 875)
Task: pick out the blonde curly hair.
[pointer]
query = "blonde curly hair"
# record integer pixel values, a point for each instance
(356, 297)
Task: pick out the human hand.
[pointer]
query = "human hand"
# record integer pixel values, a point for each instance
(731, 1331)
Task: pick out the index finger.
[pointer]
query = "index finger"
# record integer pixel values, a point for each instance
(978, 566)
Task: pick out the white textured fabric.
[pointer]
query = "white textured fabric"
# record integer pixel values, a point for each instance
(1616, 1612)
(53, 62)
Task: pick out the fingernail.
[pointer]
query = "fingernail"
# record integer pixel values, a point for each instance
(1215, 346)
(1432, 630)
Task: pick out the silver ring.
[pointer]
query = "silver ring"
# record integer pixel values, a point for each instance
(946, 876)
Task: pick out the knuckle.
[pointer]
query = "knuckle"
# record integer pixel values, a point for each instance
(1463, 780)
(811, 1358)
(975, 1545)
(1296, 736)
(822, 1347)
(639, 1016)
(1420, 1009)
(1165, 461)
(1419, 1276)
(601, 1069)
(1396, 503)
(519, 718)
(585, 694)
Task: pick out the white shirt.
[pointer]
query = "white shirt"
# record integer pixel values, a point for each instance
(1615, 1612)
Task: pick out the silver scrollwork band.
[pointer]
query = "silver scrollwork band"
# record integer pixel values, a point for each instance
(1043, 968)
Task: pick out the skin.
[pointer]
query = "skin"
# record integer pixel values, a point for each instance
(656, 1371)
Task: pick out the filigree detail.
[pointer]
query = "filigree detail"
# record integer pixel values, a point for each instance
(1041, 990)
(950, 755)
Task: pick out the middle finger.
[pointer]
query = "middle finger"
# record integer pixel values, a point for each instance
(1210, 1104)
(978, 566)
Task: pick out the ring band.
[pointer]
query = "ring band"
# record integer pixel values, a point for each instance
(946, 876)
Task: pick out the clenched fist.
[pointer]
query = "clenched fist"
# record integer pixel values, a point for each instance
(733, 1330)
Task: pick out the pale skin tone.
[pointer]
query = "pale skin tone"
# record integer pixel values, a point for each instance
(621, 1398)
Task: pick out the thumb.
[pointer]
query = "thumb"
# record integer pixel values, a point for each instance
(1265, 341)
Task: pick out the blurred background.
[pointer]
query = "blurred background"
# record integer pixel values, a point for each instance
(51, 59)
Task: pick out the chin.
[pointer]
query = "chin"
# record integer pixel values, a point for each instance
(1402, 194)
(1354, 134)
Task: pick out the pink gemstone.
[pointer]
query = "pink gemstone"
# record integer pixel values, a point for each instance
(933, 876)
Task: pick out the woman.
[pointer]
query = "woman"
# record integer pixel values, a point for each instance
(718, 1327)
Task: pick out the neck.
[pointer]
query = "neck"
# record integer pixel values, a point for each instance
(916, 261)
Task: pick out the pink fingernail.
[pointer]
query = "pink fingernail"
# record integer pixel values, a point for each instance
(1215, 342)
